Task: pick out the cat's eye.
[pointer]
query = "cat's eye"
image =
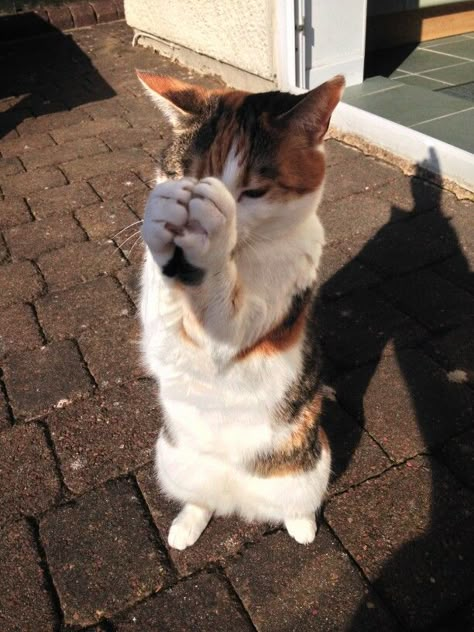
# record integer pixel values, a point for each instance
(254, 193)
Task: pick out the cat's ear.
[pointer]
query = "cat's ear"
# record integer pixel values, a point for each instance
(177, 100)
(313, 111)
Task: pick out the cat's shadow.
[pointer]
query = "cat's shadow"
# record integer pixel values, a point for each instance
(412, 255)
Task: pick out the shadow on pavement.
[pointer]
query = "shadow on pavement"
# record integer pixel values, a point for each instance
(43, 71)
(411, 528)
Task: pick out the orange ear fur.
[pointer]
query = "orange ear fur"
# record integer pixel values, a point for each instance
(176, 99)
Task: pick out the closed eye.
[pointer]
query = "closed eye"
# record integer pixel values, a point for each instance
(254, 193)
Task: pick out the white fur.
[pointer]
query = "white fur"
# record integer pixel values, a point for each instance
(219, 412)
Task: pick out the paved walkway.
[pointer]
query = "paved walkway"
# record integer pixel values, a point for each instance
(83, 540)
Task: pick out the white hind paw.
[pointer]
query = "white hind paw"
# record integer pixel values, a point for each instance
(188, 526)
(303, 530)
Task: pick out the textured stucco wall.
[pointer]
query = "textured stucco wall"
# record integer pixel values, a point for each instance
(237, 32)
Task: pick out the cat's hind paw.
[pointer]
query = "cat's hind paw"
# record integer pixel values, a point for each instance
(303, 529)
(188, 526)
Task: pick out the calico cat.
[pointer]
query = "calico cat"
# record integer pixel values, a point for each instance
(233, 244)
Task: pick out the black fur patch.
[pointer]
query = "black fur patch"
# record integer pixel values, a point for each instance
(180, 269)
(306, 386)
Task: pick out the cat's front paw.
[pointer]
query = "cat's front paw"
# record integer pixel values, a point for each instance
(210, 234)
(166, 214)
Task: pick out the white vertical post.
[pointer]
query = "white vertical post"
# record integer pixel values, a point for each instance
(336, 33)
(285, 44)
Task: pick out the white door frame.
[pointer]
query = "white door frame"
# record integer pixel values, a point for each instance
(340, 52)
(284, 46)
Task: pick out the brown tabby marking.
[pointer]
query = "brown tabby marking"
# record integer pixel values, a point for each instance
(303, 449)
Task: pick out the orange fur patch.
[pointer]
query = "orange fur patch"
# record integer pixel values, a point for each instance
(297, 454)
(186, 337)
(278, 339)
(304, 423)
(187, 97)
(300, 169)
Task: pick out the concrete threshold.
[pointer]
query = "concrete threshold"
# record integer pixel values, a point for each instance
(445, 160)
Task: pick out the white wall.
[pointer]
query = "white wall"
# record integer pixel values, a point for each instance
(237, 32)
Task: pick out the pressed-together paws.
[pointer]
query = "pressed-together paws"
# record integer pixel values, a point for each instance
(199, 217)
(166, 214)
(210, 234)
(188, 526)
(303, 529)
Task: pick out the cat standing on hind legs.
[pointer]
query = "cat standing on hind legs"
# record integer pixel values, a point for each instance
(228, 289)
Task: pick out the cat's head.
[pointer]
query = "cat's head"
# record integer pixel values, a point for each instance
(267, 148)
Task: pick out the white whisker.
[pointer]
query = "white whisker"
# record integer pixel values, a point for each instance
(137, 232)
(140, 221)
(134, 244)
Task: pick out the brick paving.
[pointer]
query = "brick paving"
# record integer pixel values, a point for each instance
(83, 526)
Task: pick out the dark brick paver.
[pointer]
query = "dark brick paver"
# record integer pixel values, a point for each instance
(112, 351)
(107, 435)
(29, 482)
(4, 413)
(82, 14)
(28, 241)
(61, 199)
(88, 129)
(68, 313)
(108, 220)
(45, 378)
(25, 603)
(201, 603)
(455, 351)
(110, 559)
(10, 166)
(118, 184)
(130, 280)
(37, 180)
(458, 453)
(83, 544)
(350, 467)
(13, 211)
(64, 152)
(342, 183)
(76, 263)
(392, 404)
(289, 587)
(19, 329)
(19, 282)
(411, 539)
(24, 144)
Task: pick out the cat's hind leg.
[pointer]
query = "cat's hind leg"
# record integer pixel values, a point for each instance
(302, 529)
(188, 526)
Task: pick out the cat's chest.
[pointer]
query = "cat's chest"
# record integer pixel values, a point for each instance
(209, 378)
(212, 431)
